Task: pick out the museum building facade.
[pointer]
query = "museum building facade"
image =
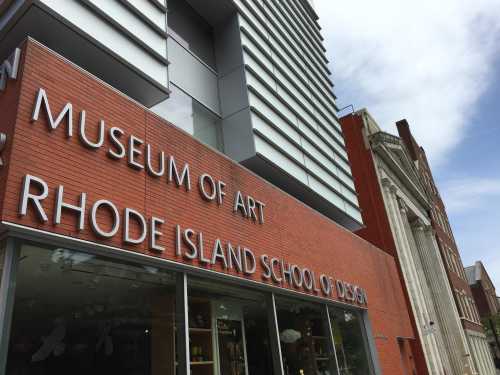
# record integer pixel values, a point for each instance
(176, 197)
(130, 246)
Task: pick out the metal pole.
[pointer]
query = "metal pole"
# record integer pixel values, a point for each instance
(7, 294)
(371, 349)
(272, 321)
(331, 342)
(182, 325)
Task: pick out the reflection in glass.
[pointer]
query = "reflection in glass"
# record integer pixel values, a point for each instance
(191, 31)
(228, 331)
(305, 338)
(77, 313)
(189, 115)
(349, 342)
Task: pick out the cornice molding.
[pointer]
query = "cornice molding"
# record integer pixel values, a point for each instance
(386, 146)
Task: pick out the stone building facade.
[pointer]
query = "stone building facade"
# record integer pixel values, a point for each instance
(466, 306)
(402, 191)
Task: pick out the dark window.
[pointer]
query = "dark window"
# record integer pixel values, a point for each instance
(305, 338)
(77, 313)
(350, 343)
(191, 31)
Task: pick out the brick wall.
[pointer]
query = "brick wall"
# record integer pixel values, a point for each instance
(9, 99)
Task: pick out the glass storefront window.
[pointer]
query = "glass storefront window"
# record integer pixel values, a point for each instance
(305, 338)
(228, 330)
(350, 343)
(77, 313)
(189, 115)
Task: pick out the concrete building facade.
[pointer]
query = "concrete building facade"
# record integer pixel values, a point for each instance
(407, 206)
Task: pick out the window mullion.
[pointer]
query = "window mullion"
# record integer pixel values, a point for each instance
(272, 318)
(331, 342)
(7, 293)
(182, 325)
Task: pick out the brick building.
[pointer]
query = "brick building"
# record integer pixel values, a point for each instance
(400, 206)
(488, 305)
(129, 246)
(452, 261)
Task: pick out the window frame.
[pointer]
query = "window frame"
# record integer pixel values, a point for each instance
(12, 247)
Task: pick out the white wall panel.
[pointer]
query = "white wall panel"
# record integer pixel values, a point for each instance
(347, 179)
(350, 195)
(328, 136)
(314, 60)
(291, 80)
(283, 111)
(316, 140)
(317, 162)
(354, 213)
(304, 26)
(289, 38)
(283, 162)
(326, 193)
(299, 8)
(99, 29)
(343, 164)
(130, 21)
(254, 70)
(285, 146)
(291, 108)
(255, 42)
(319, 156)
(149, 10)
(274, 117)
(284, 74)
(287, 49)
(314, 168)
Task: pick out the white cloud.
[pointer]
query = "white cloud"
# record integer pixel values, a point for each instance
(428, 61)
(474, 194)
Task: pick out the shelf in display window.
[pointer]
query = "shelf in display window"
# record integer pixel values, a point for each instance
(200, 330)
(201, 363)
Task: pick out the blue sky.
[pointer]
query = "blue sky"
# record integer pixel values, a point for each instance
(470, 182)
(436, 64)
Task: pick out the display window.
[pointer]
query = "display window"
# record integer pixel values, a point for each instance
(350, 342)
(77, 313)
(305, 338)
(228, 330)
